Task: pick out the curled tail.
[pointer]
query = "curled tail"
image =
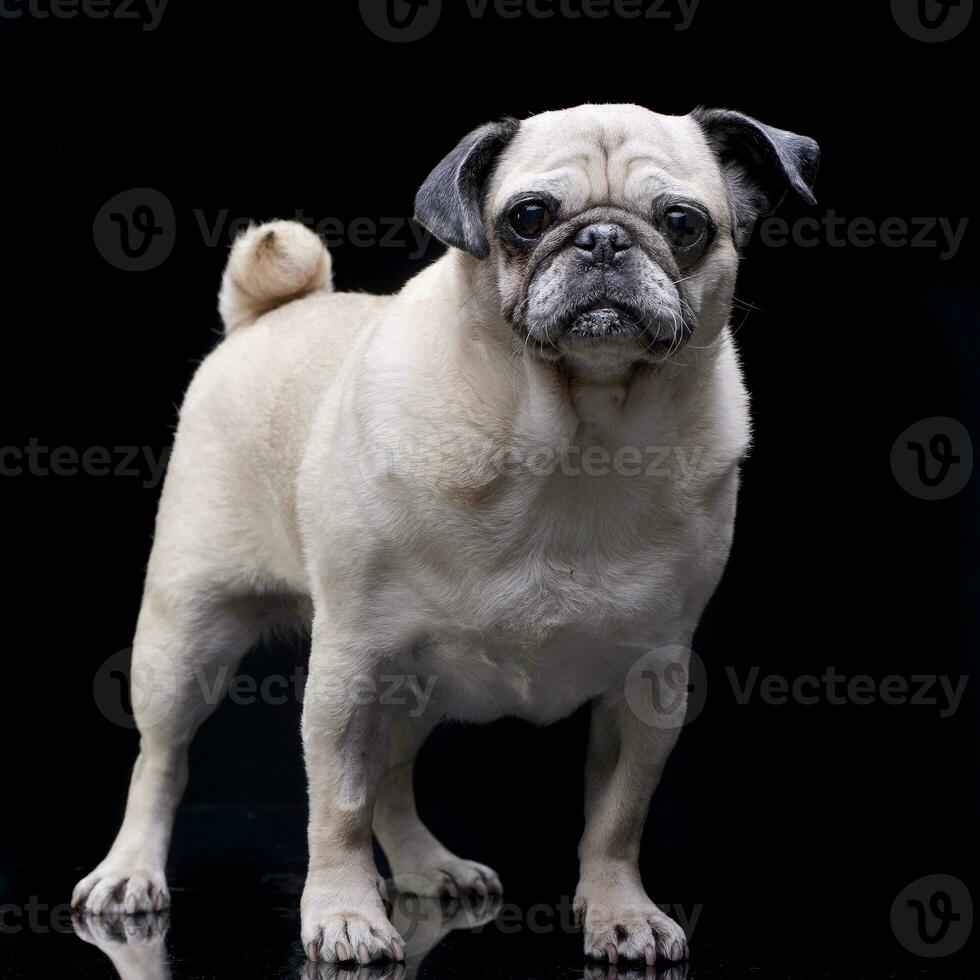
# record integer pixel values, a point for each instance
(269, 265)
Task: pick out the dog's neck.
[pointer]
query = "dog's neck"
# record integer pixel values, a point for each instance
(491, 403)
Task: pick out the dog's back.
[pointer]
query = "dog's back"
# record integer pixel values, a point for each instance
(248, 411)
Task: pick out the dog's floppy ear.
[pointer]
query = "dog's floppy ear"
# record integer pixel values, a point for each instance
(449, 203)
(759, 162)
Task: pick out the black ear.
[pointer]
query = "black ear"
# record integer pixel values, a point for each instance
(759, 162)
(449, 203)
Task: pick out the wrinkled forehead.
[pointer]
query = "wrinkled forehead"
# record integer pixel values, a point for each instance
(623, 156)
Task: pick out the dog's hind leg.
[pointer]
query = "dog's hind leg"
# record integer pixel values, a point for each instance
(420, 864)
(185, 652)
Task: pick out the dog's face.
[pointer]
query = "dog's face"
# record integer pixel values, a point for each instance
(611, 233)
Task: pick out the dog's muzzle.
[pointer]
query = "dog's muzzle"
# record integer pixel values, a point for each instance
(614, 290)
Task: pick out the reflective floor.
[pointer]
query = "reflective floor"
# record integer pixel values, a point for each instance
(254, 935)
(236, 877)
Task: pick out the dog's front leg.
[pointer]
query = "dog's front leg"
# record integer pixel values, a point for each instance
(346, 742)
(625, 759)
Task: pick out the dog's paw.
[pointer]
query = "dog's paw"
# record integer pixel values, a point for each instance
(343, 922)
(121, 891)
(448, 876)
(623, 924)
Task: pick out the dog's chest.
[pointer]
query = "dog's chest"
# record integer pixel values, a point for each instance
(534, 619)
(479, 679)
(525, 591)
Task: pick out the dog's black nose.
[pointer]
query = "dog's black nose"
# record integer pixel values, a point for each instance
(602, 244)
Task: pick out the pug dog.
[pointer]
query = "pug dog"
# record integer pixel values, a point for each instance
(454, 486)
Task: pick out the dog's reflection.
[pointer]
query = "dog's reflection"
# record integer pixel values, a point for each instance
(136, 944)
(635, 971)
(408, 969)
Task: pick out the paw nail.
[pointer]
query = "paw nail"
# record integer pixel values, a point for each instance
(649, 955)
(343, 953)
(612, 954)
(397, 951)
(313, 951)
(363, 956)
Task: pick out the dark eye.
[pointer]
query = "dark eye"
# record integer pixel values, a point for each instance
(530, 219)
(687, 229)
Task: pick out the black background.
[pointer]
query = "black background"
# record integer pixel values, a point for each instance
(793, 825)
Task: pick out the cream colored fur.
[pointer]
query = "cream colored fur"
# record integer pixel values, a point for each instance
(340, 454)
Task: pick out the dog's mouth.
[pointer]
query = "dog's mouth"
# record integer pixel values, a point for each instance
(606, 318)
(607, 322)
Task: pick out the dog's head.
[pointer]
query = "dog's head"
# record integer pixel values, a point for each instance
(611, 233)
